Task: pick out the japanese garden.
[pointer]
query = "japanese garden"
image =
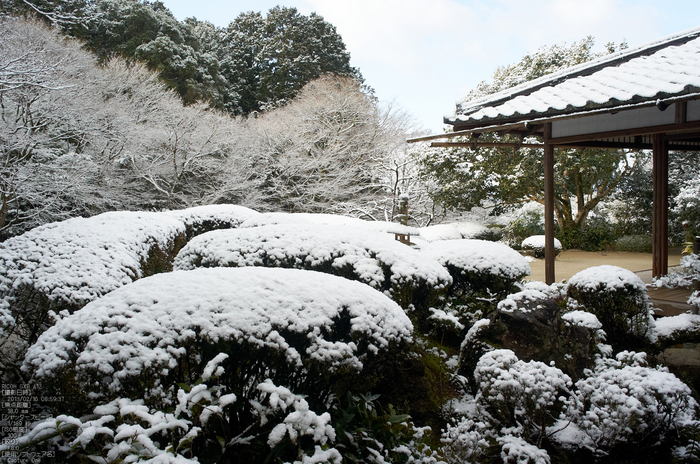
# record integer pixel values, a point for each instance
(217, 246)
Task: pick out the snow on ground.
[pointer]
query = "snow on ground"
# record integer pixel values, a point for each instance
(290, 244)
(145, 326)
(479, 256)
(454, 231)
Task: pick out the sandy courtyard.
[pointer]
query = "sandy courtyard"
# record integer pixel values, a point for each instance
(570, 262)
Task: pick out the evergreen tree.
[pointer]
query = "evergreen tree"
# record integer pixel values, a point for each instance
(506, 178)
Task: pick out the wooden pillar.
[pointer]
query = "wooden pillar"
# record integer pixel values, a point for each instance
(659, 265)
(548, 206)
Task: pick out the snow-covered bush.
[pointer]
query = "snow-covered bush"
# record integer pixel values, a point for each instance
(623, 406)
(682, 328)
(536, 245)
(619, 300)
(281, 324)
(197, 429)
(374, 259)
(479, 265)
(515, 403)
(634, 243)
(201, 219)
(621, 410)
(453, 231)
(64, 265)
(527, 221)
(482, 273)
(688, 275)
(267, 219)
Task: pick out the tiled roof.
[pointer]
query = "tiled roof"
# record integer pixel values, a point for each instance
(667, 69)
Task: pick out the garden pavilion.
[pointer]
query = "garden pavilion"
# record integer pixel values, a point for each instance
(642, 98)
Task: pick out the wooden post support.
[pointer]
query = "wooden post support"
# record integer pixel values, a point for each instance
(660, 207)
(548, 205)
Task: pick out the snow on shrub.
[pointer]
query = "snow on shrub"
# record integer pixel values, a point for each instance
(479, 263)
(374, 259)
(688, 275)
(618, 298)
(65, 265)
(682, 328)
(620, 409)
(454, 231)
(202, 219)
(515, 403)
(536, 244)
(482, 273)
(267, 219)
(202, 425)
(279, 323)
(624, 403)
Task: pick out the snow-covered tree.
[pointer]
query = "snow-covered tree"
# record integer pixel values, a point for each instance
(323, 152)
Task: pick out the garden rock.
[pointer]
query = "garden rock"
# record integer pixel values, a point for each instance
(532, 326)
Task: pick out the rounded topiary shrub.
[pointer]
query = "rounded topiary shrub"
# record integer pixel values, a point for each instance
(280, 324)
(635, 243)
(201, 219)
(375, 259)
(535, 245)
(64, 265)
(619, 300)
(479, 266)
(211, 360)
(482, 274)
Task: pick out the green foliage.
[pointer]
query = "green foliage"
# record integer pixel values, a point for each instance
(526, 224)
(255, 64)
(493, 233)
(370, 432)
(634, 243)
(506, 177)
(595, 235)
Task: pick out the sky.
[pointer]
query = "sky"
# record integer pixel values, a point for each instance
(423, 55)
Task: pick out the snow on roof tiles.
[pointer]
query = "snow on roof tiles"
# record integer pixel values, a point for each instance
(659, 70)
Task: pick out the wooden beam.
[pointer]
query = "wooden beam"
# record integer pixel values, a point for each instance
(485, 145)
(446, 135)
(681, 112)
(548, 206)
(660, 206)
(668, 128)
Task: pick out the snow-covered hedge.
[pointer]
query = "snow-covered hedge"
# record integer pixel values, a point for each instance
(63, 266)
(622, 410)
(374, 259)
(619, 300)
(453, 231)
(623, 406)
(479, 265)
(202, 219)
(282, 324)
(536, 244)
(267, 219)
